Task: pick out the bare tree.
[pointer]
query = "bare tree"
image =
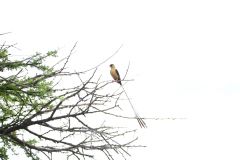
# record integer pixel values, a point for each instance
(43, 112)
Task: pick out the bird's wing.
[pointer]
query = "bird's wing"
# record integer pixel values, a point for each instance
(118, 75)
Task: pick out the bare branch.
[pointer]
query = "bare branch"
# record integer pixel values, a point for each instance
(64, 117)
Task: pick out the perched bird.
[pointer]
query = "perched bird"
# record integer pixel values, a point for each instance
(116, 76)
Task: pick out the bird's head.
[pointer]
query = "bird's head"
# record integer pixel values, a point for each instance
(112, 66)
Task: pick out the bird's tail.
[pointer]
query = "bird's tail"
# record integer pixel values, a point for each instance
(119, 81)
(139, 119)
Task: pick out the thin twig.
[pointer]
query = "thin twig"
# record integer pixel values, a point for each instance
(104, 60)
(5, 33)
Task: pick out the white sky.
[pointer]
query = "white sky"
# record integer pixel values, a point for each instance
(184, 60)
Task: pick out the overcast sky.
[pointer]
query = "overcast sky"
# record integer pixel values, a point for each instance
(185, 62)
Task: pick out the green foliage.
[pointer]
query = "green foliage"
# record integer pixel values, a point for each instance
(3, 53)
(22, 93)
(5, 146)
(3, 153)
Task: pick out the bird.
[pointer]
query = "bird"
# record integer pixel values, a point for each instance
(116, 76)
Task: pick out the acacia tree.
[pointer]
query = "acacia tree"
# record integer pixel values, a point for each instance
(42, 112)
